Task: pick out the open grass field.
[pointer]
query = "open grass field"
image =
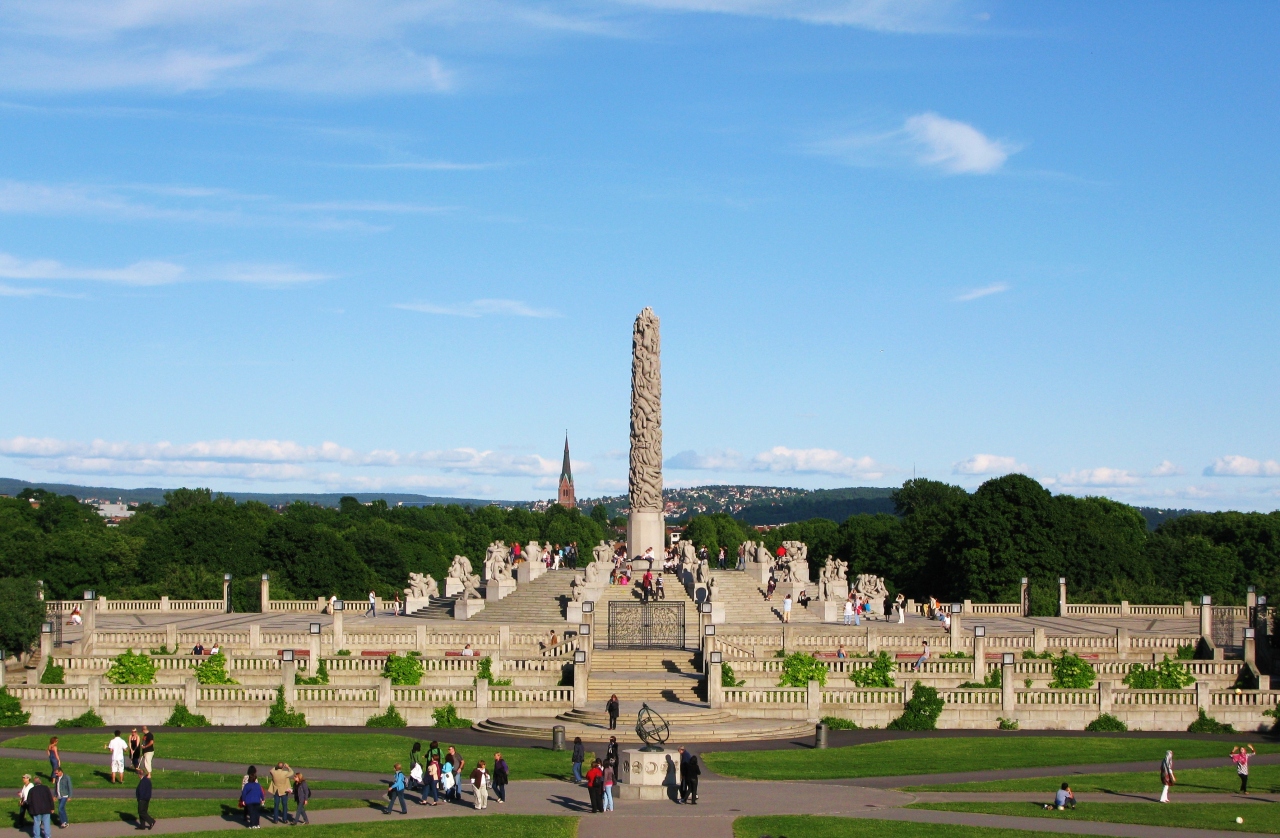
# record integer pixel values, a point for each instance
(1262, 778)
(99, 777)
(945, 755)
(374, 752)
(85, 810)
(816, 826)
(494, 826)
(1258, 817)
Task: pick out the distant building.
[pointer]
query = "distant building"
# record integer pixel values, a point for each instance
(565, 497)
(116, 510)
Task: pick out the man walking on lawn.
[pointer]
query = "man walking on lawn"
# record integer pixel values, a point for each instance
(40, 805)
(143, 794)
(396, 790)
(280, 787)
(148, 750)
(117, 748)
(62, 791)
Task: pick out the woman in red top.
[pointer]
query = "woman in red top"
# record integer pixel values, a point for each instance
(595, 787)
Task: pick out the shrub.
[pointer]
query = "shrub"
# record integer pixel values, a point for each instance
(1166, 675)
(447, 716)
(729, 678)
(993, 681)
(798, 669)
(1007, 724)
(954, 655)
(403, 671)
(86, 719)
(343, 653)
(837, 723)
(1106, 723)
(1187, 652)
(53, 674)
(164, 650)
(321, 677)
(11, 714)
(1027, 654)
(214, 671)
(485, 673)
(391, 718)
(879, 674)
(182, 717)
(1208, 724)
(129, 668)
(282, 716)
(1071, 672)
(921, 712)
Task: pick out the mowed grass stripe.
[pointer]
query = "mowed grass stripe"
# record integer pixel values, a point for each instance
(1262, 778)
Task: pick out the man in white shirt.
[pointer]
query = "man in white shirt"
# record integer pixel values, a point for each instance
(786, 608)
(117, 747)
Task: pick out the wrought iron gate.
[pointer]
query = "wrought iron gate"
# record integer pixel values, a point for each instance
(55, 615)
(1224, 627)
(635, 625)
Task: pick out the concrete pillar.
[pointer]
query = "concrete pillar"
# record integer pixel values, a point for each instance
(171, 636)
(288, 673)
(1206, 619)
(1250, 649)
(313, 646)
(1062, 596)
(420, 638)
(1264, 682)
(164, 605)
(266, 593)
(786, 639)
(1188, 609)
(1202, 695)
(1104, 696)
(979, 659)
(715, 689)
(813, 702)
(1037, 640)
(339, 642)
(1251, 598)
(1023, 599)
(907, 684)
(89, 613)
(1122, 641)
(966, 607)
(957, 634)
(579, 686)
(226, 595)
(46, 644)
(384, 693)
(1124, 608)
(873, 639)
(93, 691)
(192, 693)
(482, 699)
(3, 668)
(504, 638)
(1008, 700)
(255, 637)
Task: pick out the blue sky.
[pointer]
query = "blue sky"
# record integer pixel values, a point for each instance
(398, 245)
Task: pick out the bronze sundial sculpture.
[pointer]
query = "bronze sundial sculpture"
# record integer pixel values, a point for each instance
(652, 729)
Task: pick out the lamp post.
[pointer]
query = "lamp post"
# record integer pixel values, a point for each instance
(226, 592)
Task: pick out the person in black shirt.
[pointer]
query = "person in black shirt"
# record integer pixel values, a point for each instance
(689, 772)
(40, 805)
(611, 707)
(143, 794)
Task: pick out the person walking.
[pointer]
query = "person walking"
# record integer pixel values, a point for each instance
(579, 754)
(396, 790)
(786, 608)
(606, 794)
(722, 558)
(611, 751)
(143, 795)
(26, 788)
(612, 707)
(54, 759)
(770, 588)
(446, 778)
(501, 773)
(117, 746)
(690, 772)
(62, 791)
(280, 789)
(1167, 777)
(1240, 757)
(251, 797)
(148, 749)
(40, 805)
(848, 611)
(135, 748)
(434, 752)
(480, 785)
(301, 794)
(458, 763)
(857, 609)
(595, 787)
(432, 782)
(372, 610)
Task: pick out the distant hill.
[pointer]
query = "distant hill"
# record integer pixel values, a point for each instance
(10, 486)
(1156, 517)
(836, 504)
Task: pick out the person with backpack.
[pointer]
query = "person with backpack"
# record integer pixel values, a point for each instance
(301, 794)
(40, 805)
(446, 778)
(396, 789)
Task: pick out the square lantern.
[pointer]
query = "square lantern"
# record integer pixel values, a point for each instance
(717, 657)
(709, 629)
(315, 628)
(584, 629)
(956, 608)
(287, 655)
(339, 605)
(588, 607)
(1250, 634)
(266, 577)
(226, 577)
(705, 608)
(90, 596)
(580, 656)
(1206, 600)
(979, 631)
(46, 628)
(1008, 659)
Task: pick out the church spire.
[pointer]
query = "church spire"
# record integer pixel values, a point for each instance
(565, 496)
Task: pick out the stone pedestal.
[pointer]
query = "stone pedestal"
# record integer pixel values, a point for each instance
(646, 775)
(830, 611)
(573, 613)
(758, 572)
(495, 590)
(793, 588)
(717, 613)
(838, 591)
(526, 572)
(644, 530)
(452, 587)
(465, 609)
(412, 604)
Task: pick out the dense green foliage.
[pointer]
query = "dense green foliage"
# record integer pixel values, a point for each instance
(921, 712)
(798, 669)
(53, 674)
(214, 671)
(21, 611)
(183, 548)
(404, 671)
(321, 677)
(1166, 675)
(1205, 723)
(879, 674)
(728, 678)
(11, 713)
(86, 719)
(182, 717)
(130, 668)
(281, 715)
(391, 718)
(952, 544)
(1071, 672)
(993, 681)
(447, 716)
(484, 672)
(837, 723)
(1106, 723)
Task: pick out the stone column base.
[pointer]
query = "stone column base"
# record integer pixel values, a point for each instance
(465, 609)
(645, 530)
(526, 572)
(647, 775)
(495, 590)
(452, 587)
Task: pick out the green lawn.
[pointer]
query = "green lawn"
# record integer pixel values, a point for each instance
(375, 752)
(946, 755)
(816, 826)
(86, 810)
(494, 826)
(85, 776)
(1262, 778)
(1258, 817)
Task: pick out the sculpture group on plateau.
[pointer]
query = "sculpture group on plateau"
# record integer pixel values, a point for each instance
(460, 572)
(421, 587)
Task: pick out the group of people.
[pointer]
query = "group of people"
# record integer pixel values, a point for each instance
(200, 649)
(439, 774)
(602, 774)
(141, 750)
(282, 783)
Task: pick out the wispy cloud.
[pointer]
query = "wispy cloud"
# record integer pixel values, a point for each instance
(926, 140)
(984, 291)
(1167, 469)
(1237, 466)
(988, 464)
(480, 308)
(920, 16)
(780, 459)
(1102, 477)
(150, 272)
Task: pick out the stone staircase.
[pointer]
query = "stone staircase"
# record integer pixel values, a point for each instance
(655, 676)
(541, 601)
(744, 601)
(438, 608)
(687, 724)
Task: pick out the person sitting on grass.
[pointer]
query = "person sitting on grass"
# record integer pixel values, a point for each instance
(1064, 799)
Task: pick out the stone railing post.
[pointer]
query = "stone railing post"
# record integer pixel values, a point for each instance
(1206, 619)
(1250, 647)
(504, 639)
(3, 679)
(384, 692)
(1188, 609)
(255, 637)
(1008, 699)
(226, 594)
(715, 686)
(966, 607)
(192, 693)
(580, 675)
(813, 702)
(957, 634)
(1124, 608)
(1202, 695)
(786, 639)
(482, 698)
(420, 638)
(288, 671)
(339, 642)
(313, 646)
(1037, 640)
(1062, 596)
(266, 593)
(94, 692)
(164, 605)
(1022, 597)
(89, 613)
(1122, 641)
(873, 639)
(171, 637)
(979, 658)
(1104, 697)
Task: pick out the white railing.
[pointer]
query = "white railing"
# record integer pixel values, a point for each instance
(433, 695)
(1150, 698)
(304, 605)
(1056, 697)
(781, 695)
(994, 609)
(337, 693)
(238, 695)
(869, 695)
(50, 693)
(970, 696)
(150, 692)
(1243, 698)
(549, 695)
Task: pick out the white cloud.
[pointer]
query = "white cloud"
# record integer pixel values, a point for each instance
(927, 140)
(152, 272)
(1167, 469)
(781, 459)
(988, 464)
(713, 460)
(912, 17)
(1097, 477)
(480, 308)
(984, 291)
(487, 462)
(1237, 466)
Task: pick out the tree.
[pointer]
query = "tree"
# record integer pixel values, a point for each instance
(600, 514)
(21, 613)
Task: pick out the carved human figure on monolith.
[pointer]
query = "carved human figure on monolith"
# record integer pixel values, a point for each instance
(645, 527)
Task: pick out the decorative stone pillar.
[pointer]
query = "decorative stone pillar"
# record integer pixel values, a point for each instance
(226, 592)
(1062, 596)
(1206, 619)
(813, 702)
(873, 639)
(504, 638)
(580, 675)
(715, 685)
(1250, 648)
(1122, 641)
(1037, 640)
(420, 638)
(313, 646)
(191, 689)
(171, 637)
(266, 593)
(979, 658)
(646, 528)
(89, 613)
(288, 671)
(339, 642)
(1024, 597)
(1124, 608)
(164, 604)
(1104, 696)
(384, 693)
(1202, 695)
(482, 698)
(255, 637)
(1008, 699)
(957, 634)
(93, 691)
